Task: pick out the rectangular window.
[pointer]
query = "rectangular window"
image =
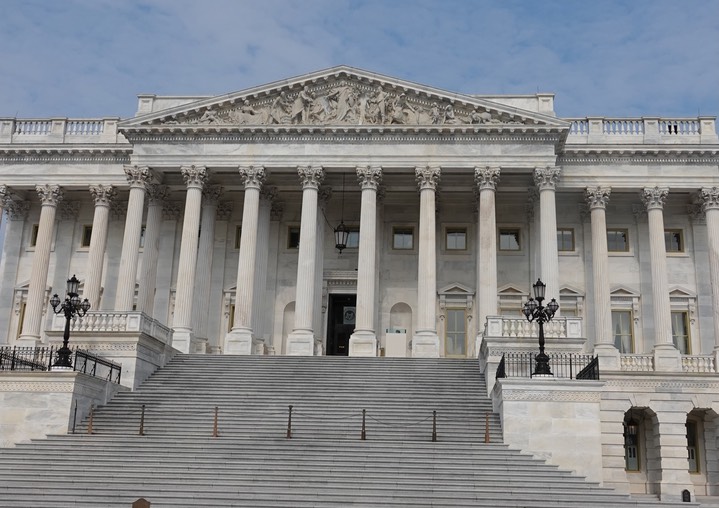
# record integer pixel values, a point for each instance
(509, 239)
(353, 238)
(565, 240)
(622, 330)
(403, 238)
(238, 236)
(293, 237)
(618, 240)
(86, 236)
(455, 239)
(455, 343)
(680, 332)
(33, 234)
(674, 240)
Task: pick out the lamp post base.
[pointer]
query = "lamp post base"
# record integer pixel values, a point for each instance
(63, 358)
(542, 365)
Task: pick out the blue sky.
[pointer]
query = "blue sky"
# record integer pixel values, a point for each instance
(90, 58)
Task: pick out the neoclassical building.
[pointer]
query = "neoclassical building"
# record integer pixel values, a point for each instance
(208, 224)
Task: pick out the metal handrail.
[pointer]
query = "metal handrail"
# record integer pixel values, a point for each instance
(41, 359)
(563, 365)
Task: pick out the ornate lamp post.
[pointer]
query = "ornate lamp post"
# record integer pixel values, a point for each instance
(71, 307)
(535, 311)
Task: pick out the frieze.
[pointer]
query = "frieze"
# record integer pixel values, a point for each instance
(33, 386)
(343, 102)
(554, 396)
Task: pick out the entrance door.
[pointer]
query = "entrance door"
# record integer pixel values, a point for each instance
(341, 324)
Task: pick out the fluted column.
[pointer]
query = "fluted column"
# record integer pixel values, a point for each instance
(597, 199)
(425, 342)
(302, 340)
(239, 340)
(203, 277)
(50, 196)
(183, 335)
(260, 311)
(138, 177)
(156, 196)
(363, 341)
(546, 180)
(16, 210)
(103, 196)
(666, 356)
(710, 205)
(486, 180)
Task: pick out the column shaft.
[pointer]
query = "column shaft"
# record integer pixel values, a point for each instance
(710, 196)
(151, 251)
(103, 196)
(203, 276)
(259, 311)
(486, 180)
(597, 198)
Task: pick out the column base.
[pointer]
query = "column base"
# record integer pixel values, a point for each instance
(667, 358)
(182, 340)
(425, 345)
(301, 343)
(238, 342)
(27, 341)
(363, 344)
(609, 357)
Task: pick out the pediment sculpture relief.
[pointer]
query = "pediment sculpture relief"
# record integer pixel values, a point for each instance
(344, 103)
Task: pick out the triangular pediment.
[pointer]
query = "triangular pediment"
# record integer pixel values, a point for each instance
(343, 96)
(510, 290)
(680, 292)
(623, 291)
(456, 289)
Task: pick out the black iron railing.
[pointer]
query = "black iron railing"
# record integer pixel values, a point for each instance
(562, 365)
(42, 359)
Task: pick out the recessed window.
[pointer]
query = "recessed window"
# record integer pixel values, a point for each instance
(238, 236)
(86, 236)
(455, 239)
(509, 239)
(565, 240)
(353, 237)
(33, 234)
(617, 240)
(142, 236)
(692, 446)
(403, 238)
(680, 332)
(674, 240)
(293, 237)
(622, 331)
(632, 434)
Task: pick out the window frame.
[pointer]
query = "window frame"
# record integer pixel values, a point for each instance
(682, 242)
(626, 243)
(350, 231)
(404, 229)
(636, 446)
(84, 234)
(453, 230)
(238, 236)
(696, 448)
(34, 230)
(463, 310)
(631, 336)
(573, 238)
(501, 230)
(687, 328)
(288, 243)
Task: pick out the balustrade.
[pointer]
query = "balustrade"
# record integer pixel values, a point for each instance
(32, 127)
(59, 130)
(623, 127)
(637, 363)
(84, 127)
(697, 363)
(98, 322)
(642, 130)
(518, 327)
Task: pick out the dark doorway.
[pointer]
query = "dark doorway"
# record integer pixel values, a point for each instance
(341, 323)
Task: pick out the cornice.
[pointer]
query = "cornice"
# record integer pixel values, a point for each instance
(589, 154)
(21, 153)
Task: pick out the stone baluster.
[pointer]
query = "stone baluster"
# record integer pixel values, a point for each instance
(239, 340)
(710, 204)
(138, 177)
(103, 196)
(183, 335)
(363, 341)
(50, 196)
(597, 199)
(301, 341)
(203, 278)
(425, 342)
(486, 181)
(546, 180)
(156, 196)
(666, 356)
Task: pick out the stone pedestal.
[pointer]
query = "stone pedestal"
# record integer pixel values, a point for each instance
(363, 344)
(667, 358)
(609, 357)
(301, 343)
(238, 342)
(425, 345)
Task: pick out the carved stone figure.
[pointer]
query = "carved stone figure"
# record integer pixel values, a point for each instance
(378, 102)
(280, 109)
(434, 114)
(402, 111)
(301, 106)
(449, 117)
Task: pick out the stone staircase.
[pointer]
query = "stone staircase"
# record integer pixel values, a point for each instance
(178, 462)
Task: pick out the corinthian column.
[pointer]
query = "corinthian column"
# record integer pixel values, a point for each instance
(425, 342)
(103, 196)
(138, 177)
(486, 180)
(597, 199)
(239, 339)
(710, 205)
(203, 278)
(50, 196)
(666, 356)
(302, 340)
(156, 196)
(546, 180)
(183, 336)
(363, 341)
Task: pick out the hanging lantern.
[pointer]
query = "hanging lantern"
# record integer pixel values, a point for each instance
(341, 235)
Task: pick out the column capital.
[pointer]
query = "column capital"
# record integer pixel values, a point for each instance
(157, 194)
(253, 176)
(4, 193)
(369, 177)
(278, 207)
(15, 208)
(211, 194)
(654, 197)
(103, 194)
(172, 210)
(324, 194)
(138, 176)
(224, 210)
(268, 193)
(427, 177)
(194, 176)
(547, 178)
(709, 198)
(50, 195)
(311, 177)
(486, 178)
(597, 197)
